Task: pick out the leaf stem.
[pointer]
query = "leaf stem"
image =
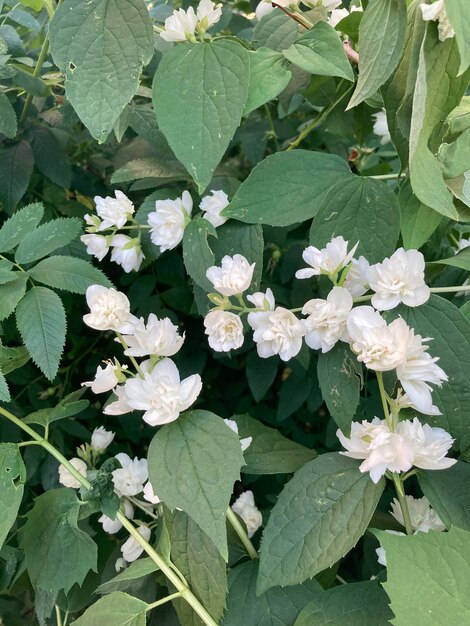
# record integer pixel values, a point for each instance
(450, 289)
(273, 133)
(403, 503)
(169, 598)
(383, 397)
(58, 616)
(238, 528)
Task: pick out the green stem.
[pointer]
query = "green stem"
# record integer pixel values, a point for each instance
(140, 505)
(403, 503)
(169, 598)
(58, 616)
(271, 127)
(385, 176)
(383, 396)
(362, 299)
(131, 358)
(450, 289)
(238, 528)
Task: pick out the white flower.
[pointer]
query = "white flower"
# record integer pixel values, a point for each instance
(399, 279)
(417, 369)
(101, 438)
(109, 310)
(105, 379)
(336, 16)
(246, 508)
(127, 253)
(430, 444)
(113, 526)
(149, 494)
(208, 14)
(423, 518)
(357, 278)
(372, 340)
(119, 406)
(277, 332)
(180, 26)
(380, 127)
(263, 8)
(129, 479)
(329, 260)
(96, 245)
(329, 5)
(170, 218)
(213, 206)
(224, 330)
(326, 321)
(437, 12)
(233, 277)
(66, 479)
(131, 549)
(463, 243)
(264, 301)
(161, 394)
(114, 211)
(246, 441)
(158, 337)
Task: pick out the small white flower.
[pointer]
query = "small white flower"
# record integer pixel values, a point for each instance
(127, 253)
(437, 12)
(119, 406)
(96, 245)
(113, 526)
(329, 260)
(170, 218)
(66, 479)
(224, 330)
(423, 518)
(263, 8)
(157, 337)
(463, 243)
(246, 441)
(129, 479)
(380, 127)
(105, 379)
(149, 494)
(326, 321)
(233, 277)
(329, 5)
(263, 300)
(246, 508)
(180, 26)
(213, 206)
(101, 438)
(357, 278)
(114, 211)
(208, 14)
(399, 279)
(131, 549)
(430, 444)
(336, 16)
(277, 332)
(109, 310)
(161, 394)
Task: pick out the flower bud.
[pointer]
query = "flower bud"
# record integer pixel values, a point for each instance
(101, 438)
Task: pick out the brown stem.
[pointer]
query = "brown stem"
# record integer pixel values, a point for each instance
(294, 16)
(350, 53)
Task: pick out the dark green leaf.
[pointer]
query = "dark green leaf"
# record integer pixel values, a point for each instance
(268, 77)
(12, 358)
(276, 31)
(197, 254)
(20, 224)
(149, 167)
(7, 117)
(260, 374)
(137, 569)
(44, 144)
(461, 260)
(417, 221)
(12, 479)
(16, 167)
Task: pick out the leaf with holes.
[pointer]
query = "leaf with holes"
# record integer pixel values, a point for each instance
(12, 479)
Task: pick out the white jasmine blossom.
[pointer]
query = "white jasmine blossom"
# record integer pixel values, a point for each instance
(329, 260)
(357, 278)
(113, 526)
(105, 379)
(380, 127)
(208, 14)
(170, 218)
(109, 310)
(277, 332)
(224, 330)
(114, 212)
(66, 478)
(246, 441)
(101, 438)
(157, 337)
(430, 444)
(96, 245)
(119, 406)
(463, 243)
(436, 12)
(131, 549)
(423, 518)
(180, 26)
(129, 479)
(326, 321)
(213, 205)
(263, 300)
(246, 508)
(149, 494)
(265, 7)
(233, 277)
(126, 252)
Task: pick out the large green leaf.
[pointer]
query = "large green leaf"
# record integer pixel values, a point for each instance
(268, 77)
(20, 224)
(276, 31)
(193, 463)
(101, 46)
(149, 167)
(16, 167)
(40, 318)
(7, 117)
(459, 17)
(453, 157)
(427, 577)
(199, 93)
(12, 479)
(287, 187)
(361, 210)
(381, 42)
(320, 52)
(118, 609)
(461, 260)
(46, 238)
(417, 221)
(275, 607)
(11, 293)
(137, 569)
(69, 273)
(197, 254)
(52, 541)
(319, 516)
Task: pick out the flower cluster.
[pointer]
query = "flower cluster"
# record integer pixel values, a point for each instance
(183, 25)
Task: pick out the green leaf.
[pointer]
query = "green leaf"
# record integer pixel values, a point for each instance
(52, 541)
(268, 77)
(12, 479)
(453, 157)
(20, 224)
(47, 238)
(67, 407)
(101, 46)
(193, 463)
(118, 609)
(40, 318)
(200, 119)
(320, 52)
(197, 254)
(362, 210)
(276, 31)
(286, 188)
(148, 167)
(417, 221)
(381, 43)
(354, 604)
(8, 124)
(16, 167)
(44, 143)
(457, 12)
(11, 294)
(270, 452)
(319, 516)
(447, 491)
(4, 391)
(69, 273)
(427, 577)
(12, 358)
(461, 260)
(339, 376)
(137, 569)
(260, 374)
(6, 276)
(275, 607)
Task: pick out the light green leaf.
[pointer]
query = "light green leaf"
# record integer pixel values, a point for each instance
(20, 224)
(260, 374)
(199, 93)
(52, 541)
(197, 254)
(275, 607)
(417, 221)
(319, 516)
(458, 119)
(148, 167)
(286, 188)
(118, 609)
(101, 46)
(12, 479)
(12, 358)
(46, 238)
(8, 124)
(193, 463)
(427, 577)
(268, 77)
(4, 391)
(270, 452)
(6, 276)
(16, 167)
(276, 31)
(461, 260)
(453, 157)
(36, 5)
(362, 210)
(137, 569)
(459, 18)
(40, 318)
(11, 294)
(320, 52)
(381, 43)
(68, 273)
